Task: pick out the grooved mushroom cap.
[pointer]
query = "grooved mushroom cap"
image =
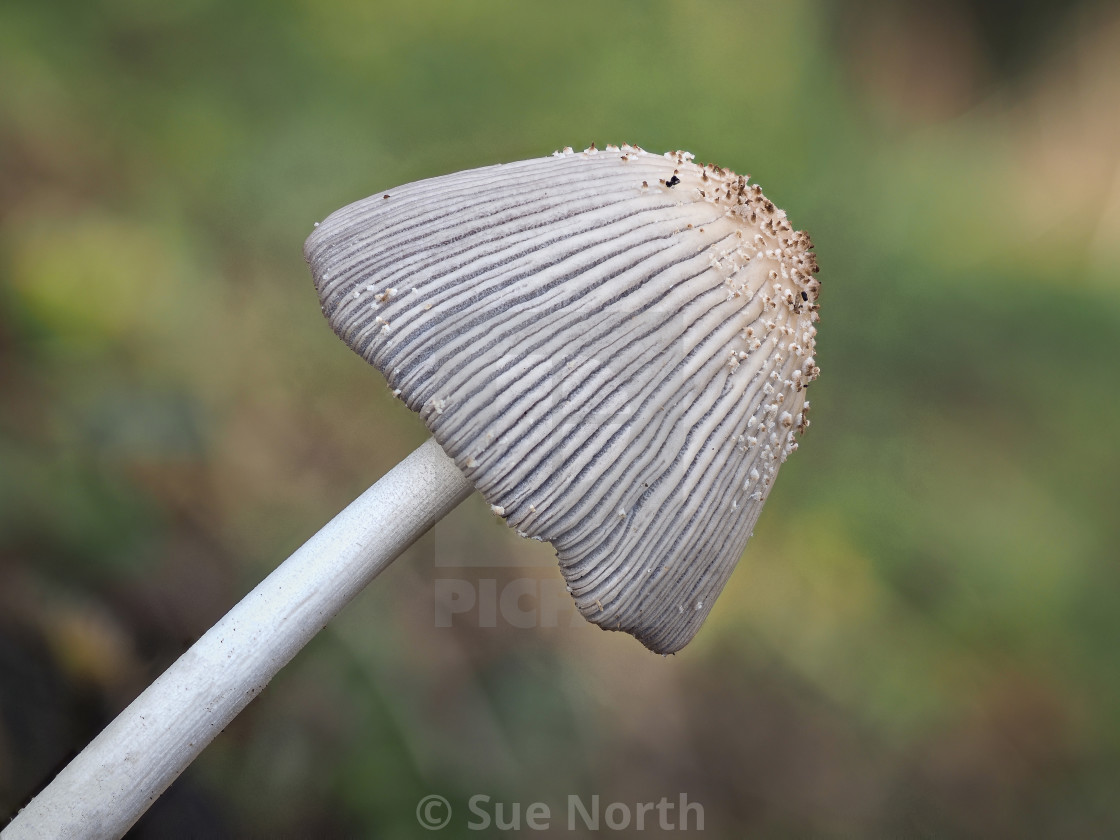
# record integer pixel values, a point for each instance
(612, 345)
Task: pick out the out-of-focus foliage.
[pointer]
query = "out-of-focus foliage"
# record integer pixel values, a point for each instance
(921, 638)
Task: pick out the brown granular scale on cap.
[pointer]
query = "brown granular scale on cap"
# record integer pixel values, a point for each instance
(793, 249)
(789, 298)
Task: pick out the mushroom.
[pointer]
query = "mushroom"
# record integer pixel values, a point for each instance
(611, 346)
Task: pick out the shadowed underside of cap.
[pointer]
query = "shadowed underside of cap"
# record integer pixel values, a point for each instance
(612, 345)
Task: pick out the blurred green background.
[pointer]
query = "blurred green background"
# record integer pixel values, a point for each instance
(921, 639)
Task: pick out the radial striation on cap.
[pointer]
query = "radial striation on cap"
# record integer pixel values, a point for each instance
(612, 345)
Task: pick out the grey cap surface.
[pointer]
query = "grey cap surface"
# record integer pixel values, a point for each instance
(612, 345)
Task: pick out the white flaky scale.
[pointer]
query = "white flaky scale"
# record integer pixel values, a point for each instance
(617, 323)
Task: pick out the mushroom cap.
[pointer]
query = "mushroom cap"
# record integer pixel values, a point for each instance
(612, 345)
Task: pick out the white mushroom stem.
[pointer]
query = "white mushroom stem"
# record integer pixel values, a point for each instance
(106, 788)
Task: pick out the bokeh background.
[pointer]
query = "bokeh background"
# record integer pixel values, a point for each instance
(922, 638)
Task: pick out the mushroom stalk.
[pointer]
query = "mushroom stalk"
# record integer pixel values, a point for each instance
(107, 787)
